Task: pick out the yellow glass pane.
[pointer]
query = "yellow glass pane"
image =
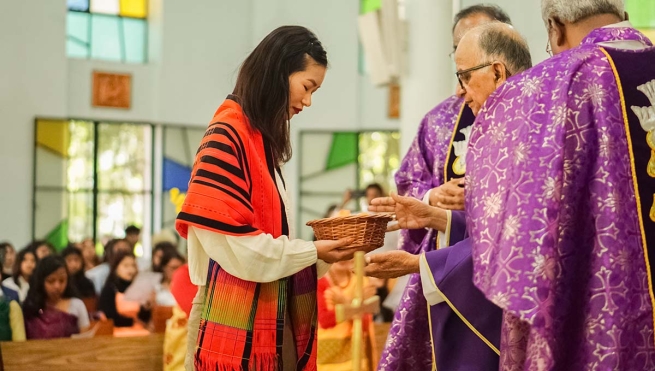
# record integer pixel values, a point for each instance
(134, 8)
(649, 34)
(53, 135)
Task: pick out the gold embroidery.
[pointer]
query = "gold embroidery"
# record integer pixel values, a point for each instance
(650, 139)
(459, 166)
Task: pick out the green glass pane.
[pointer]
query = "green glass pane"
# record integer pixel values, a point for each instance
(641, 13)
(343, 150)
(134, 40)
(77, 35)
(105, 38)
(76, 50)
(58, 237)
(367, 6)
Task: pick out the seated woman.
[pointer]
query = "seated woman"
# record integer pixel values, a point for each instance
(8, 258)
(170, 262)
(112, 303)
(50, 309)
(12, 325)
(89, 255)
(23, 269)
(334, 340)
(74, 263)
(98, 274)
(41, 249)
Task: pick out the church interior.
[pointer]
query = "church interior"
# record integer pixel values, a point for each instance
(104, 104)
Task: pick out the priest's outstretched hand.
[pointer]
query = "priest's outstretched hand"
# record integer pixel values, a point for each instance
(410, 213)
(391, 264)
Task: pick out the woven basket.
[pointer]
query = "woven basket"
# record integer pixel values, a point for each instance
(368, 230)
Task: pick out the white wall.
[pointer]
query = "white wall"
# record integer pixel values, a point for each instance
(526, 18)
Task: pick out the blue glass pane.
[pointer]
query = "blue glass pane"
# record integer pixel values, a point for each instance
(77, 35)
(105, 38)
(79, 5)
(134, 37)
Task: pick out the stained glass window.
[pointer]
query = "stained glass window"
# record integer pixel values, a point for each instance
(92, 179)
(112, 30)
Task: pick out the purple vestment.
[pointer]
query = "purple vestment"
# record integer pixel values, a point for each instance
(423, 168)
(465, 326)
(552, 213)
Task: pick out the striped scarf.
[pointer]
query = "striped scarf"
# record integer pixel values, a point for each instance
(233, 192)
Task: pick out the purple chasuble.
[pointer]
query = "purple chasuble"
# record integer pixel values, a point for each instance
(466, 326)
(554, 215)
(423, 168)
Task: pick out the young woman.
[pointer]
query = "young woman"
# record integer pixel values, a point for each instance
(261, 283)
(9, 257)
(89, 255)
(335, 340)
(41, 249)
(50, 309)
(112, 302)
(170, 262)
(23, 269)
(75, 265)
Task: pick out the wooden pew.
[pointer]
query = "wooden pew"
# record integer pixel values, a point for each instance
(102, 353)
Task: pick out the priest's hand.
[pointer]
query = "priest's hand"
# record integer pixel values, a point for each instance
(449, 196)
(391, 264)
(410, 213)
(335, 251)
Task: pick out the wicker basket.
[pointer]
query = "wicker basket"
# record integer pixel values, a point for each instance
(368, 230)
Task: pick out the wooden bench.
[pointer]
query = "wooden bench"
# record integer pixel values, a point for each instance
(101, 353)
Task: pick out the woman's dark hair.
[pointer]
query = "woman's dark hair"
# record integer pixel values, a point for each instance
(109, 249)
(19, 261)
(34, 245)
(3, 251)
(36, 295)
(72, 250)
(116, 261)
(262, 85)
(166, 248)
(170, 255)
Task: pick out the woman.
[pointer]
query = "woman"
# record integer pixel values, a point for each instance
(23, 269)
(235, 217)
(41, 249)
(50, 309)
(334, 340)
(74, 263)
(112, 303)
(98, 275)
(89, 255)
(170, 262)
(9, 253)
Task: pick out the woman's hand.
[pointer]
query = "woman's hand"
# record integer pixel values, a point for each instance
(449, 196)
(335, 251)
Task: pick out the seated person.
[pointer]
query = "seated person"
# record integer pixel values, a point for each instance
(50, 309)
(12, 325)
(112, 303)
(147, 282)
(170, 262)
(41, 249)
(334, 340)
(8, 253)
(175, 339)
(98, 275)
(74, 263)
(23, 270)
(89, 255)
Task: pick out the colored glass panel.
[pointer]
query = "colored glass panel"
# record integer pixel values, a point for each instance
(367, 6)
(105, 6)
(58, 237)
(134, 40)
(343, 150)
(78, 5)
(175, 175)
(105, 38)
(134, 8)
(641, 12)
(77, 34)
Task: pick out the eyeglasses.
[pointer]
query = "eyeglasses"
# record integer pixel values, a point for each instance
(465, 76)
(549, 50)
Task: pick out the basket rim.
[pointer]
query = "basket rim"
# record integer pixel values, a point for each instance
(356, 217)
